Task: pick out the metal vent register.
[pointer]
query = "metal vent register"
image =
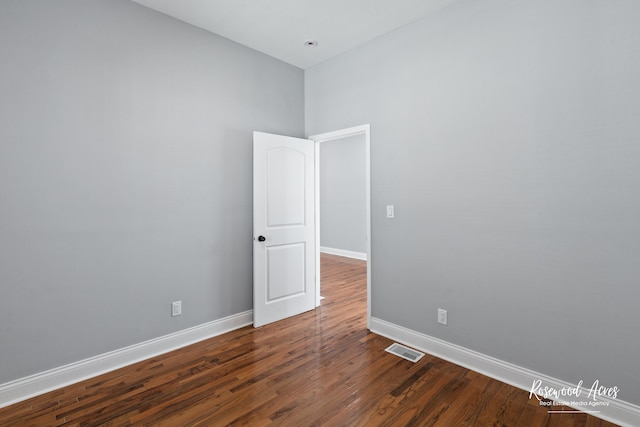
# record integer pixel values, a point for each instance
(404, 352)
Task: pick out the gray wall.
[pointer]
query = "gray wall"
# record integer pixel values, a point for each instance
(506, 134)
(343, 204)
(125, 175)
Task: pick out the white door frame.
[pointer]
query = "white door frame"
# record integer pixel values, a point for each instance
(330, 136)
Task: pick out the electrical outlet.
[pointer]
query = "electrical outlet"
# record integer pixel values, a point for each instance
(442, 316)
(176, 308)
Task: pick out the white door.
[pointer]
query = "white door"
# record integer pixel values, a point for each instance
(283, 227)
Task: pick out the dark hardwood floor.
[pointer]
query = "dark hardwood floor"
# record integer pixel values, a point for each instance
(321, 368)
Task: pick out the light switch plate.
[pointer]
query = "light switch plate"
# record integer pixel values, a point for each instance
(390, 211)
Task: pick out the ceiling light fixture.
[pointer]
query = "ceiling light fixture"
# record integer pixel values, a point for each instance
(311, 43)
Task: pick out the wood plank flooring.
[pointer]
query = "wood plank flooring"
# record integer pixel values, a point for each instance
(321, 368)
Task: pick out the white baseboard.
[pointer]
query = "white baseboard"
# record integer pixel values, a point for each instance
(344, 252)
(43, 382)
(617, 411)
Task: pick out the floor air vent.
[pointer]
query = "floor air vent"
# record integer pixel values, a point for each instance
(404, 352)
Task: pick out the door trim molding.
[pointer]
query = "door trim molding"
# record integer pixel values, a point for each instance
(330, 136)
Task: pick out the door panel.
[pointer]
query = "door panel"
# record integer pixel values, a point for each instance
(285, 275)
(284, 227)
(285, 187)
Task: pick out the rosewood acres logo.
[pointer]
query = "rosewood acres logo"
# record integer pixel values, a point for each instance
(578, 397)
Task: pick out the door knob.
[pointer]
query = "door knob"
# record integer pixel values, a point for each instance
(261, 238)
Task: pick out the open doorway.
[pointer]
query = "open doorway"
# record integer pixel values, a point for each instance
(347, 219)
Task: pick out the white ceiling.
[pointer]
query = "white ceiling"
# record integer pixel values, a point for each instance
(280, 27)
